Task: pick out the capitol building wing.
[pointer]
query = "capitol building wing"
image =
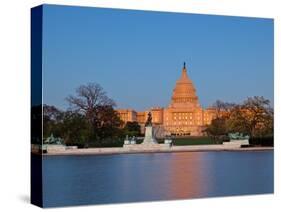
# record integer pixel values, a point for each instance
(183, 117)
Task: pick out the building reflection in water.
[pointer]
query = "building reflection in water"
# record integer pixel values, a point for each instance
(163, 176)
(187, 175)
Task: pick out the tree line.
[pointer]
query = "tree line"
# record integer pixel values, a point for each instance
(253, 117)
(90, 121)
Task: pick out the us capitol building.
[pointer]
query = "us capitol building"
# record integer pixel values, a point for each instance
(183, 117)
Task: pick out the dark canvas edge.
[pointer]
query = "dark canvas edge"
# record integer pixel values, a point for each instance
(36, 106)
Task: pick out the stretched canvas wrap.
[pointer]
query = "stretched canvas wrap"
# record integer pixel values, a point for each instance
(132, 106)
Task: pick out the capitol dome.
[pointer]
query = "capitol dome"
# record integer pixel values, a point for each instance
(184, 93)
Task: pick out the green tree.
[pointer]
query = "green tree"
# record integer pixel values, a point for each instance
(132, 129)
(107, 123)
(52, 118)
(217, 130)
(74, 129)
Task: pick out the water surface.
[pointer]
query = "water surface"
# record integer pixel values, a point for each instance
(100, 179)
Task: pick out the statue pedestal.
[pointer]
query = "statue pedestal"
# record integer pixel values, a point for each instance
(149, 143)
(149, 136)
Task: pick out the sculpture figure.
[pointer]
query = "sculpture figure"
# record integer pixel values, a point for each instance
(149, 120)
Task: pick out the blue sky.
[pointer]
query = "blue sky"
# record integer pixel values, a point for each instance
(137, 56)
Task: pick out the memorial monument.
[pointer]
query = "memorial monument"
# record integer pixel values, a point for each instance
(149, 134)
(149, 142)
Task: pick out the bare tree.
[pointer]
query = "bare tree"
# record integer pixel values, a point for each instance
(258, 113)
(254, 117)
(223, 108)
(92, 102)
(88, 98)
